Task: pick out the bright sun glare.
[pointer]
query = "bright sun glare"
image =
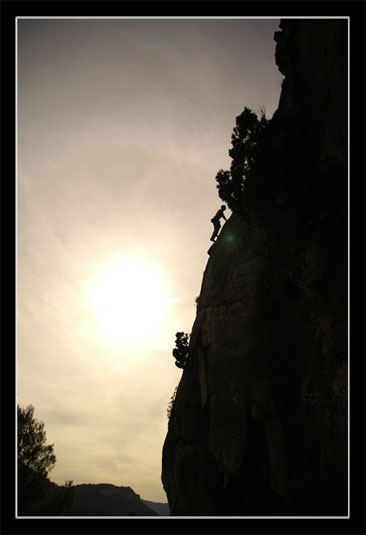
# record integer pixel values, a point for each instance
(129, 298)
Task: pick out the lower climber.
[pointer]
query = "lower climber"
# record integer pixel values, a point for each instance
(216, 222)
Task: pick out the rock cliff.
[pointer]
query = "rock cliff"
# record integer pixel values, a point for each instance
(259, 423)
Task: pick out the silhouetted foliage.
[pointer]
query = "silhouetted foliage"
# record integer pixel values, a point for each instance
(32, 450)
(36, 494)
(180, 352)
(32, 489)
(61, 499)
(171, 403)
(279, 173)
(246, 147)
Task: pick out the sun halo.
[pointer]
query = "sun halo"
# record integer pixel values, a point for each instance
(129, 298)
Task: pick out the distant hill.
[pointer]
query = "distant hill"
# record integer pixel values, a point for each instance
(102, 499)
(161, 508)
(108, 500)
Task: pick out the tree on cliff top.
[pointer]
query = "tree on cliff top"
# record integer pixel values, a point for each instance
(246, 147)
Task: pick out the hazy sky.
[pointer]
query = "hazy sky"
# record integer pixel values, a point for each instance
(122, 127)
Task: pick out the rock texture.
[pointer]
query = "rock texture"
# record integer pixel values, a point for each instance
(259, 423)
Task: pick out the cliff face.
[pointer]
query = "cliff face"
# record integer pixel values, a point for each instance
(259, 424)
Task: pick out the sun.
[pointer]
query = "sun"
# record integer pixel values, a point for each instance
(128, 298)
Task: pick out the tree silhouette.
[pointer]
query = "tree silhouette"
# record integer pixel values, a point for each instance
(36, 494)
(32, 450)
(180, 352)
(246, 148)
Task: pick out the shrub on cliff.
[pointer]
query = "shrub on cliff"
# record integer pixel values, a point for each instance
(171, 403)
(180, 352)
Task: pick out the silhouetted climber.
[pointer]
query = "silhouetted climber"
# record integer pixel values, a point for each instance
(216, 222)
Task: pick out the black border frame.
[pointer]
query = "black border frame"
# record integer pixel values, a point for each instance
(355, 10)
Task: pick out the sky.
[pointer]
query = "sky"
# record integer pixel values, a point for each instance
(122, 126)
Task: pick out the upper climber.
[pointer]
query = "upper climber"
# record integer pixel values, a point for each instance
(216, 222)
